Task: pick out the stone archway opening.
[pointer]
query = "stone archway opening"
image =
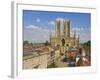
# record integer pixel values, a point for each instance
(63, 42)
(67, 45)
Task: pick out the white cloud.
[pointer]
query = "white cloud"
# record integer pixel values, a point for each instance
(51, 23)
(36, 28)
(84, 36)
(78, 29)
(37, 20)
(36, 34)
(60, 19)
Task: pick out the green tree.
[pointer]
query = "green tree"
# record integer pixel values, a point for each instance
(25, 42)
(87, 47)
(52, 65)
(46, 43)
(88, 43)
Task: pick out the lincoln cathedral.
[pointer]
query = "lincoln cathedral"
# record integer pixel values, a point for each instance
(62, 36)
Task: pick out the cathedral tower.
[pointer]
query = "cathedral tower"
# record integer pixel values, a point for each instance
(68, 28)
(65, 28)
(62, 34)
(57, 28)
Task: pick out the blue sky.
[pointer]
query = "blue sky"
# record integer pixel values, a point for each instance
(36, 21)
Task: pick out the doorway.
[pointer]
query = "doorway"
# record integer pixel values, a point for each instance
(63, 42)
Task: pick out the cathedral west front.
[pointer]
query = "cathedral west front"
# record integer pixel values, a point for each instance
(62, 36)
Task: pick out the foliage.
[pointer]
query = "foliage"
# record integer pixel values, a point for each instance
(46, 43)
(87, 47)
(25, 42)
(52, 65)
(88, 43)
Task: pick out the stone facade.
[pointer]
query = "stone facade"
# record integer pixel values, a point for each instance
(62, 36)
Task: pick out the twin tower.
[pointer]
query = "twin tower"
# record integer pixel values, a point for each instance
(62, 34)
(62, 28)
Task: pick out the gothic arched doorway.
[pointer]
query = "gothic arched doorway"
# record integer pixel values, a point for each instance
(67, 45)
(63, 42)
